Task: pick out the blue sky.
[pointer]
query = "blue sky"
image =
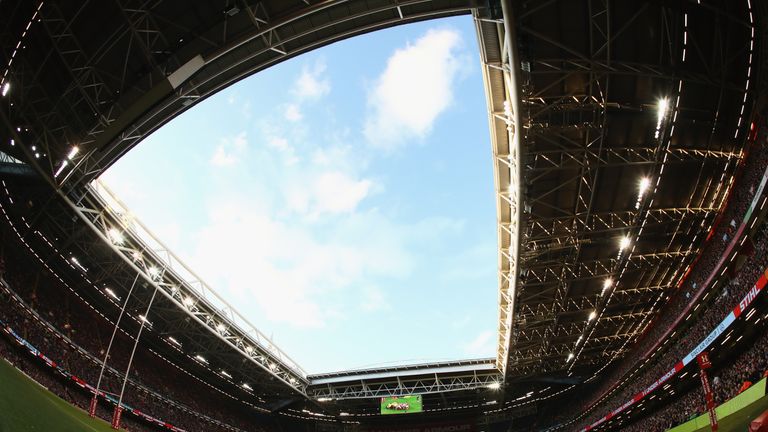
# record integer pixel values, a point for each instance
(342, 200)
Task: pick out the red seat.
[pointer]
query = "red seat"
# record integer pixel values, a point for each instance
(759, 424)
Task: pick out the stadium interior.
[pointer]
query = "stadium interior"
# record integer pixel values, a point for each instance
(629, 149)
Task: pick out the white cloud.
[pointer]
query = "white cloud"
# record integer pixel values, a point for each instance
(293, 112)
(290, 273)
(415, 87)
(312, 83)
(286, 150)
(374, 300)
(482, 345)
(229, 150)
(336, 192)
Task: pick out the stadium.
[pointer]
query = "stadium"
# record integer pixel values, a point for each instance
(629, 162)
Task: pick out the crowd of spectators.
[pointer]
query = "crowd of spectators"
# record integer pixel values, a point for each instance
(708, 317)
(727, 382)
(631, 374)
(67, 330)
(86, 366)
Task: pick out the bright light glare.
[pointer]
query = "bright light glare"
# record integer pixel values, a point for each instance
(221, 328)
(115, 236)
(201, 358)
(570, 356)
(153, 272)
(607, 284)
(73, 152)
(6, 88)
(494, 385)
(247, 387)
(111, 293)
(188, 301)
(662, 109)
(624, 243)
(592, 316)
(645, 183)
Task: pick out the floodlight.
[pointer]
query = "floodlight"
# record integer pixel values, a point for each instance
(645, 183)
(73, 152)
(153, 272)
(115, 236)
(111, 293)
(592, 316)
(624, 243)
(606, 284)
(662, 109)
(6, 88)
(201, 358)
(494, 385)
(570, 356)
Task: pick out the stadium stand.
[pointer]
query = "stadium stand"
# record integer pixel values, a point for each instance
(72, 334)
(657, 347)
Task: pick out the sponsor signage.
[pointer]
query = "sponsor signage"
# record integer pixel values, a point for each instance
(714, 334)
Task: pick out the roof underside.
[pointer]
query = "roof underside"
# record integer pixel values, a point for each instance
(592, 74)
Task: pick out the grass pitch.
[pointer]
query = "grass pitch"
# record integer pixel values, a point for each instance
(26, 406)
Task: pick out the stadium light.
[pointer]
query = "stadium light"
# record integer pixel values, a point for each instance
(77, 263)
(606, 284)
(221, 328)
(570, 356)
(494, 385)
(136, 256)
(201, 358)
(61, 167)
(115, 236)
(188, 301)
(223, 372)
(246, 386)
(592, 315)
(324, 399)
(272, 366)
(111, 293)
(645, 183)
(145, 320)
(73, 152)
(623, 243)
(6, 88)
(249, 349)
(662, 110)
(153, 272)
(172, 339)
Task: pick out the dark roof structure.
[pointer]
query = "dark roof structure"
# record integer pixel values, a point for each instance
(617, 128)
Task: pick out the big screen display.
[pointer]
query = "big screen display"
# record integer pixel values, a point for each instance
(401, 404)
